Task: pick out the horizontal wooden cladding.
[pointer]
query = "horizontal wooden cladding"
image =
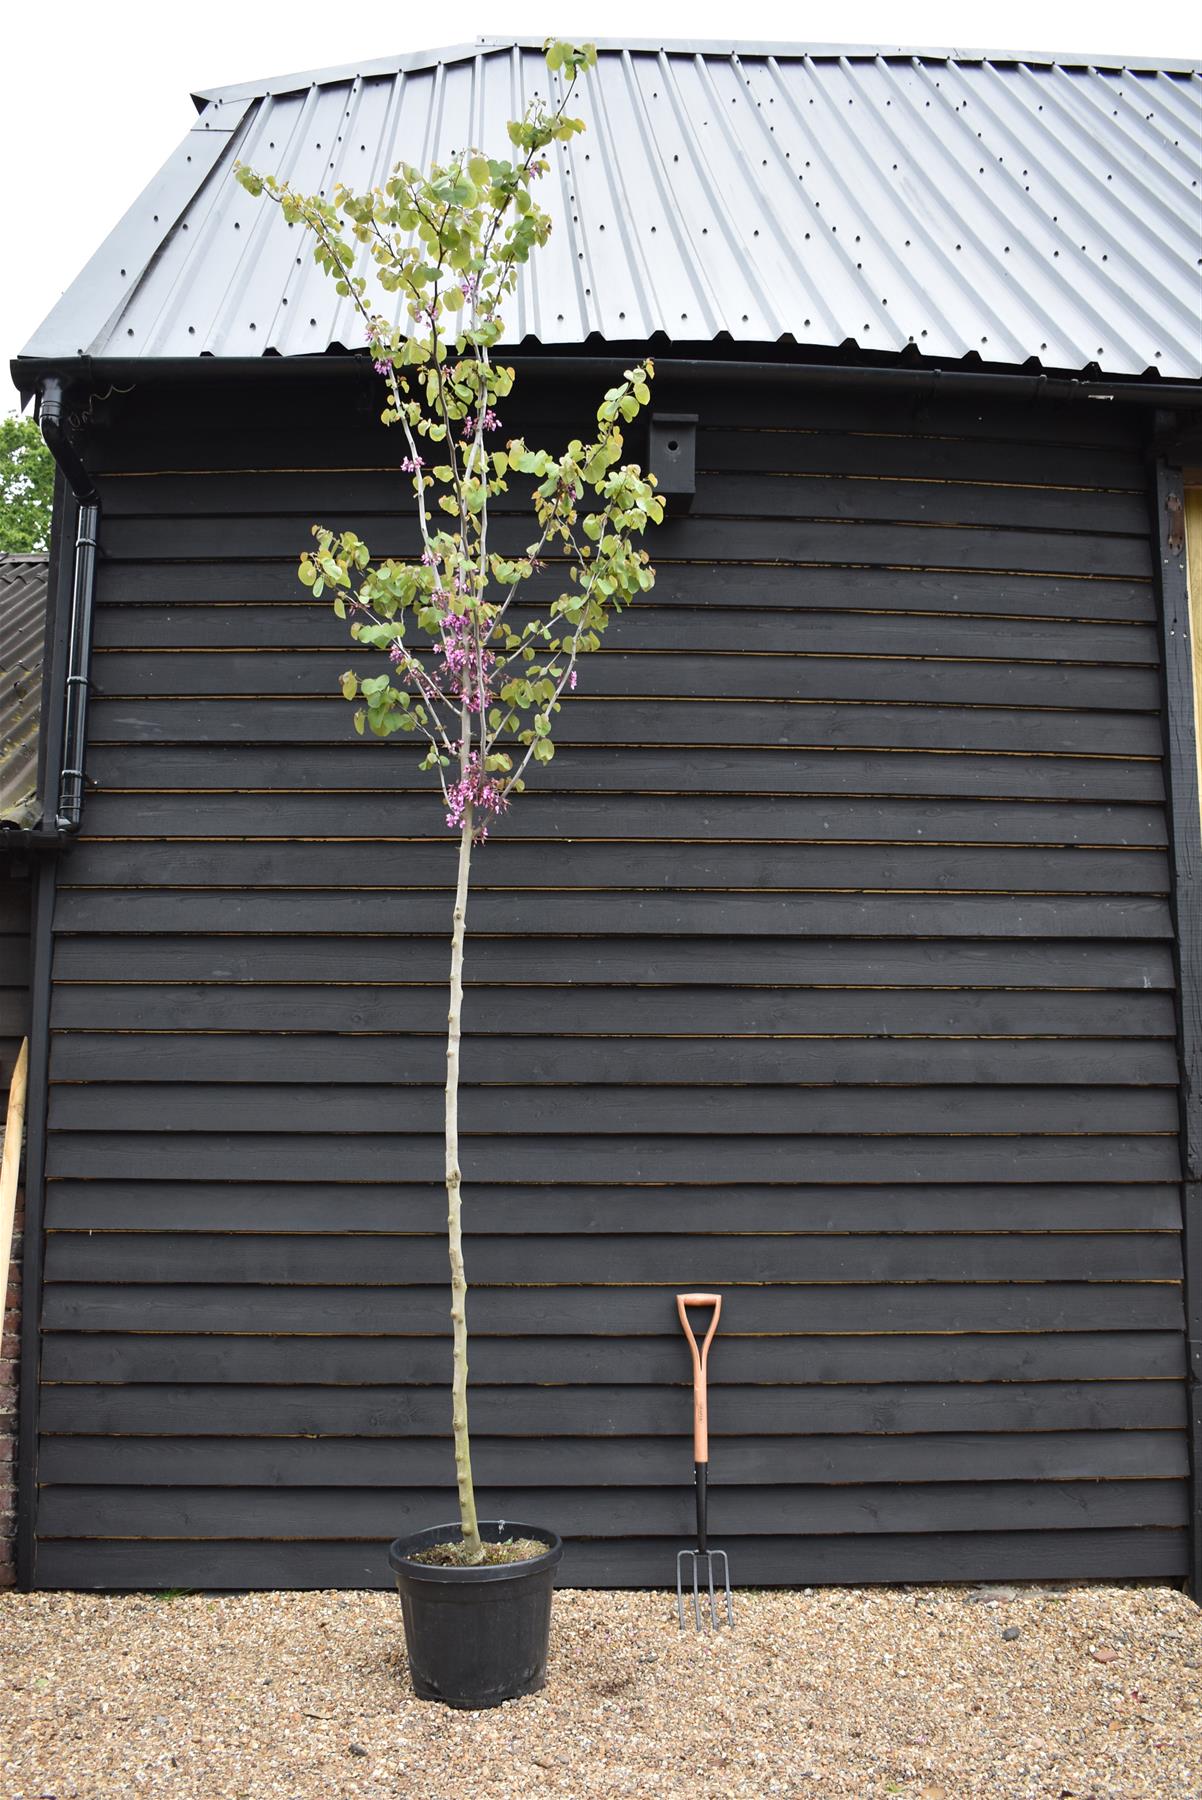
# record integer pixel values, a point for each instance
(787, 723)
(1039, 1306)
(850, 541)
(787, 1016)
(236, 431)
(612, 1061)
(724, 490)
(141, 1512)
(556, 1108)
(634, 1258)
(649, 628)
(912, 456)
(312, 820)
(917, 680)
(631, 868)
(760, 916)
(771, 962)
(900, 448)
(213, 1153)
(792, 1560)
(812, 1459)
(348, 768)
(620, 1413)
(870, 997)
(755, 585)
(605, 1210)
(996, 1357)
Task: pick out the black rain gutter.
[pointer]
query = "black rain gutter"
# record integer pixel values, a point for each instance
(921, 382)
(67, 798)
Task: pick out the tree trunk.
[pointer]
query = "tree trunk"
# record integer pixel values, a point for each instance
(463, 1450)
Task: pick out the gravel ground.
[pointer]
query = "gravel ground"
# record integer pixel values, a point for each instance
(1093, 1693)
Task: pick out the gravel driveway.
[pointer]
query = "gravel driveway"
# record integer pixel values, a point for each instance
(1084, 1693)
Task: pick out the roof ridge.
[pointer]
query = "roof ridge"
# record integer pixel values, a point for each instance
(783, 50)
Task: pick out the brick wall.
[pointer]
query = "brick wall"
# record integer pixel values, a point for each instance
(9, 1362)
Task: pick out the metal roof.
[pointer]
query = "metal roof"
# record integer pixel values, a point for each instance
(22, 634)
(1011, 209)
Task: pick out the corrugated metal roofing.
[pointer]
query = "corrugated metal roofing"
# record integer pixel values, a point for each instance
(22, 635)
(991, 207)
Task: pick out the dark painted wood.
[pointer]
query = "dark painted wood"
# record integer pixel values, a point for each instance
(635, 769)
(603, 1412)
(650, 627)
(313, 1514)
(299, 1260)
(786, 722)
(772, 868)
(772, 962)
(1181, 701)
(880, 1020)
(831, 963)
(849, 541)
(360, 913)
(560, 1462)
(514, 1109)
(733, 491)
(1099, 1554)
(617, 1062)
(629, 1157)
(365, 1362)
(555, 1312)
(913, 680)
(996, 593)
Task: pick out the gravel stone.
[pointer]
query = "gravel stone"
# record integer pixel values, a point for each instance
(838, 1693)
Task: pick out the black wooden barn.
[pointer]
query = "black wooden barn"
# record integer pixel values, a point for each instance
(845, 960)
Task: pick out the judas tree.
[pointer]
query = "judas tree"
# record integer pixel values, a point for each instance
(477, 661)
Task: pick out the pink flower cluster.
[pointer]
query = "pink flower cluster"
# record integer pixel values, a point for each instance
(463, 662)
(489, 422)
(480, 792)
(411, 465)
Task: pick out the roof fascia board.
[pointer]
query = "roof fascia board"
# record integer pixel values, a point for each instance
(409, 62)
(922, 381)
(112, 274)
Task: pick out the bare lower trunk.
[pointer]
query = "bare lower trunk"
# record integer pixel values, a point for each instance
(463, 1450)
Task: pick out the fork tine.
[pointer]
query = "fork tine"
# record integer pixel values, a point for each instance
(696, 1594)
(709, 1569)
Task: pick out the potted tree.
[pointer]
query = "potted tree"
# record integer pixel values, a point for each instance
(476, 669)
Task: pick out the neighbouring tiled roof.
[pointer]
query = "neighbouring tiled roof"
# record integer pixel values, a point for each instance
(22, 633)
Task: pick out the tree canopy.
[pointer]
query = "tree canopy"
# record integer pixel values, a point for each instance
(26, 488)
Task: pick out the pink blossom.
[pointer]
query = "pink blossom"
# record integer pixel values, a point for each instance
(411, 466)
(479, 791)
(489, 422)
(572, 681)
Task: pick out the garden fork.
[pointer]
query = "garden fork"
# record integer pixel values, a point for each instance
(701, 1455)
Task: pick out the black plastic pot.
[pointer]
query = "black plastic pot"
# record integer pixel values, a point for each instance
(476, 1636)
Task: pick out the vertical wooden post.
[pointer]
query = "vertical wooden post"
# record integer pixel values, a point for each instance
(1185, 822)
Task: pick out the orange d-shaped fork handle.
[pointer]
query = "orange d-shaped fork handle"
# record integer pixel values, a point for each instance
(701, 1441)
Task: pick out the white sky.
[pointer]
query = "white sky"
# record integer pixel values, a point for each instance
(94, 97)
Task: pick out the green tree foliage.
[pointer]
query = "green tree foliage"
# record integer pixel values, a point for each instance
(26, 488)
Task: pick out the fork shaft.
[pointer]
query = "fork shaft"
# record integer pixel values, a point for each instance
(700, 1473)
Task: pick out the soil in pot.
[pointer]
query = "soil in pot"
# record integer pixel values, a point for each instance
(454, 1556)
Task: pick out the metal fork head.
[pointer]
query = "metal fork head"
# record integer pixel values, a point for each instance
(704, 1580)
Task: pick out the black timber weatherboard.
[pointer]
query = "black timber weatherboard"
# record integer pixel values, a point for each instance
(1181, 762)
(951, 1256)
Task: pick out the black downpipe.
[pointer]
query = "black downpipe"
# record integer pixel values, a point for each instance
(79, 639)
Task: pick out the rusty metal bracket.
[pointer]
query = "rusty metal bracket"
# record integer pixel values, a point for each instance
(1176, 535)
